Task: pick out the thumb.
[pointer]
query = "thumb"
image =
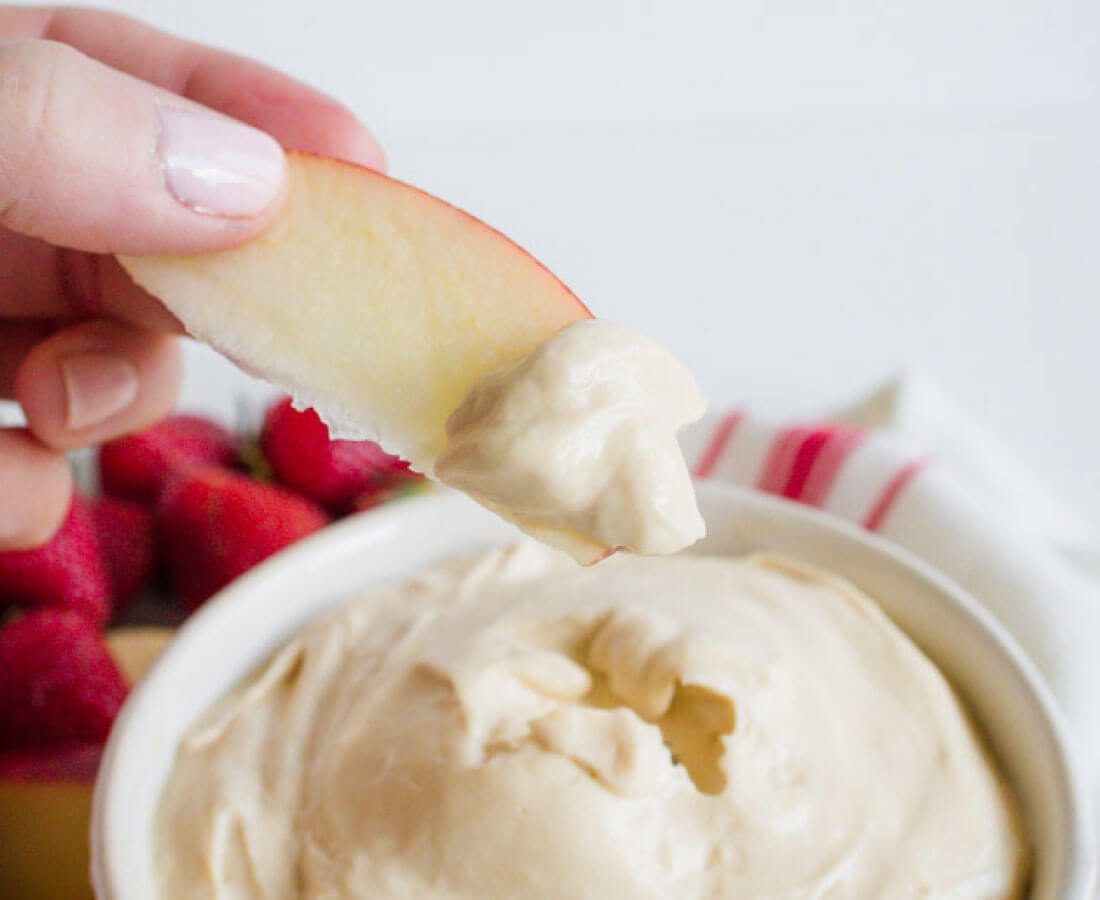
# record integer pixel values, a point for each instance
(96, 160)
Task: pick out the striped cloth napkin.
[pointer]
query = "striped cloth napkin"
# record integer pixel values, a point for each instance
(907, 463)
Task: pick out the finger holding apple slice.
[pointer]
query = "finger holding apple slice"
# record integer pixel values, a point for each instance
(373, 302)
(403, 319)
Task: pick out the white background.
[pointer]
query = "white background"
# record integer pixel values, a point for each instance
(800, 197)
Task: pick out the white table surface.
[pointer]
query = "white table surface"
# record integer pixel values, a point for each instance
(799, 197)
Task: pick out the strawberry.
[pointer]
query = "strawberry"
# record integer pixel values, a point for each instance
(67, 572)
(215, 525)
(58, 683)
(396, 490)
(77, 761)
(139, 466)
(125, 534)
(332, 473)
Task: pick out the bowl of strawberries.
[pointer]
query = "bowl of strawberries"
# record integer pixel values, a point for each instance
(163, 519)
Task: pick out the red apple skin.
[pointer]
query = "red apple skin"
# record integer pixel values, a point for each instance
(582, 311)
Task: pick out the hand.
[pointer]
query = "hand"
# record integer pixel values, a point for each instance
(110, 143)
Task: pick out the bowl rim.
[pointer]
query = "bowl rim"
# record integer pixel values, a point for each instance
(108, 848)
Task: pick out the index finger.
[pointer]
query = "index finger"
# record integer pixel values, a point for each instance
(296, 115)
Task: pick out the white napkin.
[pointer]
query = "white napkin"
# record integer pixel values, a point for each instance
(909, 464)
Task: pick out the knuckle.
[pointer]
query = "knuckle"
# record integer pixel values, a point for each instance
(32, 78)
(28, 78)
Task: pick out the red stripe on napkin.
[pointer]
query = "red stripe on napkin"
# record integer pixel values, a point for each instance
(804, 461)
(781, 458)
(842, 443)
(809, 449)
(891, 492)
(712, 455)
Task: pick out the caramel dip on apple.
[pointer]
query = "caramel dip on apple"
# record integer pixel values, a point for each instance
(513, 727)
(576, 443)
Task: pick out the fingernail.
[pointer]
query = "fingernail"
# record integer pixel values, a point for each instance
(215, 165)
(97, 385)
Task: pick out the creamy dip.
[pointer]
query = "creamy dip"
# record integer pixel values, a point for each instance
(514, 727)
(576, 443)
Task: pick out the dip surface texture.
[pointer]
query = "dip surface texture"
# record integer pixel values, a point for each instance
(576, 443)
(514, 726)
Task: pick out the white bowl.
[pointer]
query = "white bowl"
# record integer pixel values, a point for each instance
(236, 632)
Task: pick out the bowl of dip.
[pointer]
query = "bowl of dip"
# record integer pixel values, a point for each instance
(240, 630)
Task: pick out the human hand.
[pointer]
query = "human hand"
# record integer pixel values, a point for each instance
(110, 143)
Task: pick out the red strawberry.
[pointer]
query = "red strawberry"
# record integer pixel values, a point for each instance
(76, 761)
(58, 683)
(67, 572)
(215, 525)
(333, 473)
(396, 490)
(137, 467)
(125, 534)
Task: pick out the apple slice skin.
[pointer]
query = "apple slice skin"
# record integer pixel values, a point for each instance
(368, 299)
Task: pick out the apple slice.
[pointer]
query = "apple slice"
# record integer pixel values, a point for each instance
(369, 300)
(46, 796)
(45, 811)
(136, 647)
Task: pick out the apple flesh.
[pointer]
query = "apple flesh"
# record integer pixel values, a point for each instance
(46, 797)
(45, 812)
(135, 648)
(375, 303)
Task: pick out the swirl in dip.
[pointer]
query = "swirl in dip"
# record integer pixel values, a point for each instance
(514, 727)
